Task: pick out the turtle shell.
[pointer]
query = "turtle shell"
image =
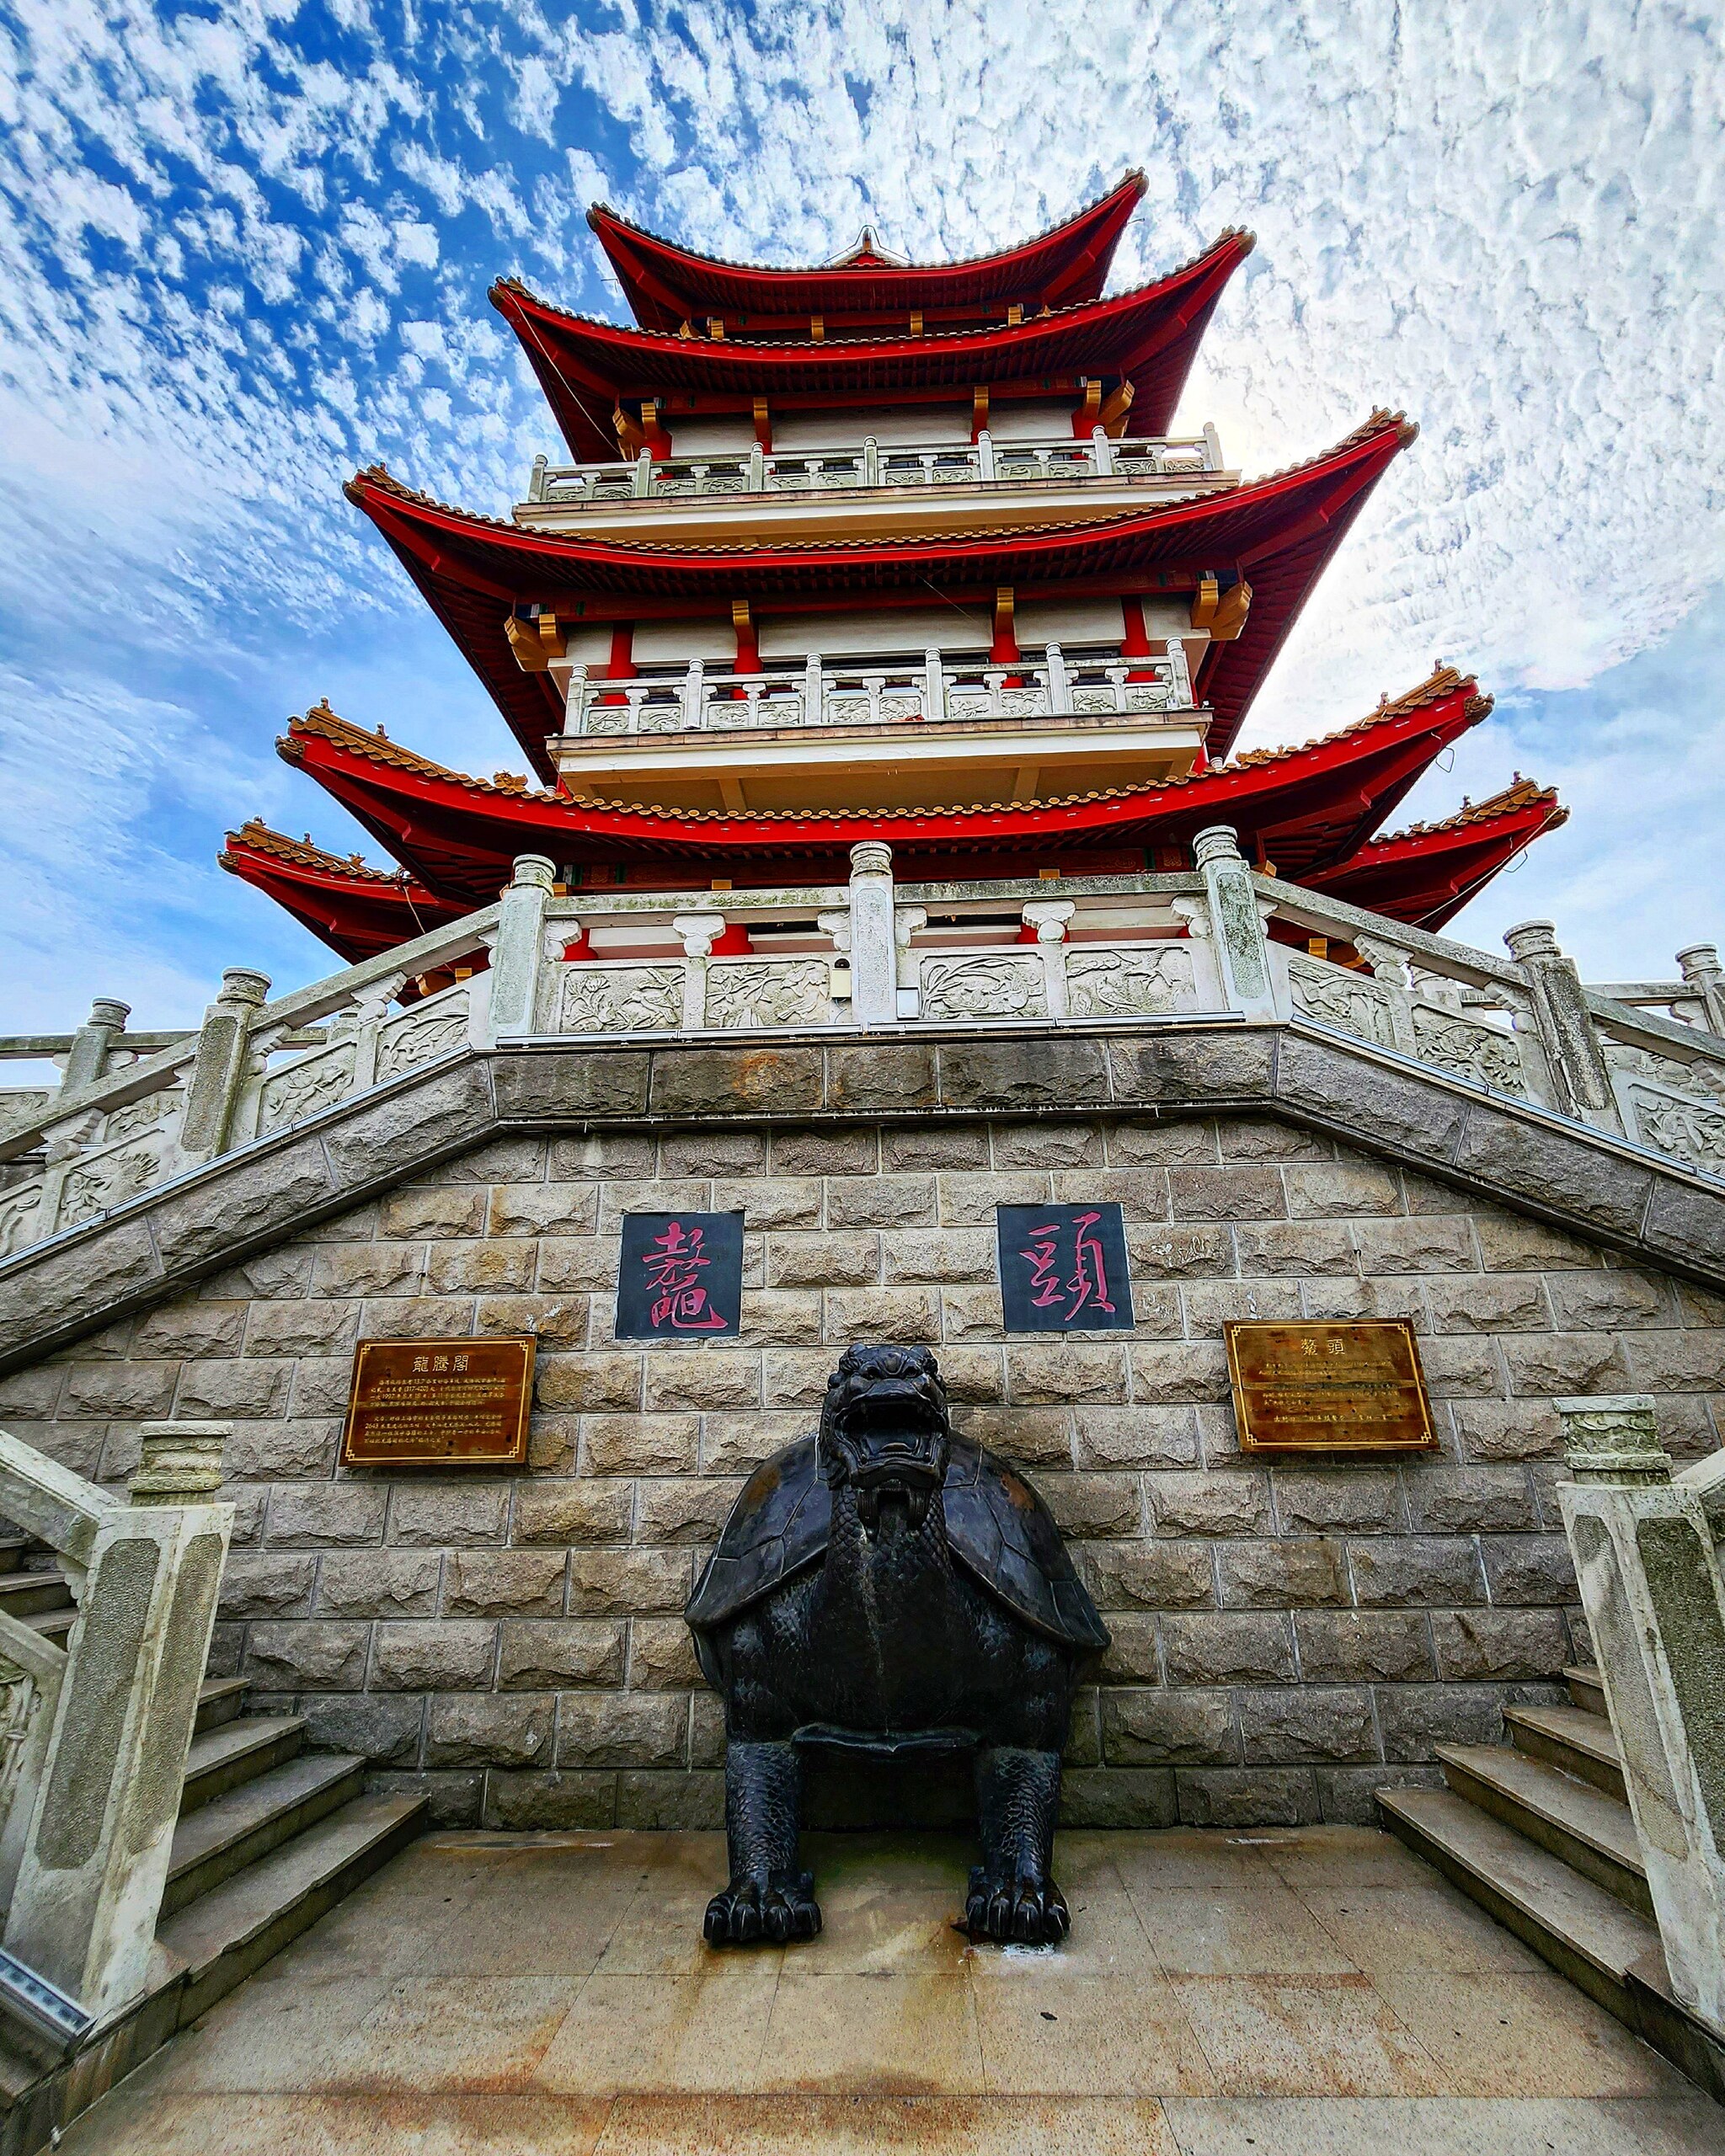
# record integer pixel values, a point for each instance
(997, 1527)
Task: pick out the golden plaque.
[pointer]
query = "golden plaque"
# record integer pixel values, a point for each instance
(440, 1403)
(1328, 1387)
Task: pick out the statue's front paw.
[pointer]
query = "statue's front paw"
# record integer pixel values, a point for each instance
(782, 1907)
(1021, 1910)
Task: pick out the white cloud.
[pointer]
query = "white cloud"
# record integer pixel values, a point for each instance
(230, 253)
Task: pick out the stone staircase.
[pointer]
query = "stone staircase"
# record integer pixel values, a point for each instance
(1538, 1832)
(270, 1836)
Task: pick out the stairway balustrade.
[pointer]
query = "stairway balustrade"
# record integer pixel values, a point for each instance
(1218, 944)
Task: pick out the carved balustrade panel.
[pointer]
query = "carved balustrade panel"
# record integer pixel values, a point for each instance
(1137, 982)
(431, 1028)
(20, 1215)
(300, 1089)
(604, 999)
(1679, 1125)
(107, 1176)
(984, 985)
(1467, 1047)
(764, 993)
(1353, 1003)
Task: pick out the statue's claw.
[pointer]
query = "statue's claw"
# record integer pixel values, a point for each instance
(1023, 1911)
(780, 1910)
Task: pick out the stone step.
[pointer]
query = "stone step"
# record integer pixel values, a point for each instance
(1585, 1689)
(1581, 1743)
(1577, 1926)
(12, 1549)
(27, 1594)
(52, 1623)
(238, 1752)
(229, 1832)
(235, 1928)
(1576, 1822)
(219, 1699)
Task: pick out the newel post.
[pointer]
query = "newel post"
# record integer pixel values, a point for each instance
(520, 939)
(1242, 947)
(1700, 968)
(222, 1063)
(1655, 1602)
(100, 1819)
(92, 1044)
(1580, 1082)
(874, 962)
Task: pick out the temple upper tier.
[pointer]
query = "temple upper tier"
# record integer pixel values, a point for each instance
(866, 290)
(879, 549)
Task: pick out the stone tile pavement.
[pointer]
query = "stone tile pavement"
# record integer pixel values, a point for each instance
(1316, 1989)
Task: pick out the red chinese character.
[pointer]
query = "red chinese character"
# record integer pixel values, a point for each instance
(673, 1267)
(1088, 1281)
(1090, 1275)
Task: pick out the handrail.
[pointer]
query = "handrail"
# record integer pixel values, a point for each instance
(90, 1789)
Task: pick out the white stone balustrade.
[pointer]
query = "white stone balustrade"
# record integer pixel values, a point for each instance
(1217, 944)
(1651, 1583)
(871, 464)
(813, 691)
(98, 1734)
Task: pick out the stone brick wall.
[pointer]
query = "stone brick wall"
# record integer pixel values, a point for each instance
(1285, 1639)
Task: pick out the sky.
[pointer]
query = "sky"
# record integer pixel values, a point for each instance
(245, 245)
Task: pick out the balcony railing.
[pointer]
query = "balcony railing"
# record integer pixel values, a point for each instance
(817, 693)
(983, 463)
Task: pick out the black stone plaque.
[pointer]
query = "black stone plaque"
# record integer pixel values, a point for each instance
(681, 1276)
(1063, 1268)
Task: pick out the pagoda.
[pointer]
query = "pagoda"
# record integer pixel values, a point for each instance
(881, 550)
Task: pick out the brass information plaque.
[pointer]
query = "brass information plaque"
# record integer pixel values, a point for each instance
(440, 1403)
(1328, 1387)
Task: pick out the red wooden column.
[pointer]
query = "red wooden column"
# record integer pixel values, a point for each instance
(621, 667)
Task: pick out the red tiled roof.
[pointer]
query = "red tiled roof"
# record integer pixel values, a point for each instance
(1148, 337)
(665, 283)
(1311, 806)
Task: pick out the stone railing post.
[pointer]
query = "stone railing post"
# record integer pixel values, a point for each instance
(520, 939)
(699, 932)
(875, 966)
(1242, 947)
(1050, 918)
(100, 1828)
(1655, 1602)
(223, 1063)
(92, 1044)
(1700, 968)
(1580, 1083)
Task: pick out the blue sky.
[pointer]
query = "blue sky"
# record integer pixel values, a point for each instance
(244, 248)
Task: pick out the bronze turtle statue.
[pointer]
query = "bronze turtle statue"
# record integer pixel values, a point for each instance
(888, 1587)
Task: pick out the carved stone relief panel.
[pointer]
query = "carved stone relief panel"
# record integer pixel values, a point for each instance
(623, 1000)
(145, 1114)
(1702, 1077)
(419, 1035)
(19, 1211)
(111, 1179)
(1471, 1050)
(300, 1089)
(745, 995)
(1348, 1002)
(1684, 1127)
(1128, 984)
(991, 987)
